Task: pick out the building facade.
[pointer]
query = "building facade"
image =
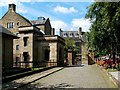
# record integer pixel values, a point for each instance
(44, 25)
(52, 50)
(28, 50)
(6, 38)
(80, 41)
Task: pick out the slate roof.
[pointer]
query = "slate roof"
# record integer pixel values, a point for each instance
(5, 31)
(25, 19)
(39, 21)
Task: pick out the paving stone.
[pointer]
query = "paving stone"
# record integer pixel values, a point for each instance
(19, 82)
(79, 77)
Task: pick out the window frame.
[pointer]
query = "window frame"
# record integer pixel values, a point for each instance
(10, 25)
(25, 40)
(17, 47)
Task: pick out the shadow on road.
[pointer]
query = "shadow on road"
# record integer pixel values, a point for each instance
(75, 66)
(38, 86)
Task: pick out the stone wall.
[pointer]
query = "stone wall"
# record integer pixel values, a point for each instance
(84, 53)
(45, 26)
(17, 19)
(35, 48)
(55, 47)
(41, 27)
(22, 48)
(48, 27)
(7, 52)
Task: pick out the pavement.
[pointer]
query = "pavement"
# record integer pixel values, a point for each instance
(75, 77)
(80, 76)
(114, 76)
(28, 79)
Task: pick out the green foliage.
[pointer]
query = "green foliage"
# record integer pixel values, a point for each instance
(104, 32)
(70, 44)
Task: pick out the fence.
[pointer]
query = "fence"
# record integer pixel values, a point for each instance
(29, 64)
(52, 62)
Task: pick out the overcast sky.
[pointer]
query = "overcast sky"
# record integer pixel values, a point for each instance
(65, 15)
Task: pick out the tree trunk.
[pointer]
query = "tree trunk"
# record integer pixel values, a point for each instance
(114, 53)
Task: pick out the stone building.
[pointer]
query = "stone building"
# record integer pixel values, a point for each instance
(52, 49)
(12, 21)
(80, 41)
(44, 25)
(6, 38)
(84, 47)
(28, 50)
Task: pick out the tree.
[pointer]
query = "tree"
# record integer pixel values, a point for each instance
(70, 44)
(104, 33)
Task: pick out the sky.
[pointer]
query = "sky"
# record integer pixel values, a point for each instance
(67, 15)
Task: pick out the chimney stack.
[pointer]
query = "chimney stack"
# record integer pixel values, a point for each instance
(61, 32)
(80, 30)
(12, 7)
(53, 31)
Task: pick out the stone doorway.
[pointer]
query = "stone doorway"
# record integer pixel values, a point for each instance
(26, 59)
(47, 54)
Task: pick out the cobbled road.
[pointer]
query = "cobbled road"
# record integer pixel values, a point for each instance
(79, 77)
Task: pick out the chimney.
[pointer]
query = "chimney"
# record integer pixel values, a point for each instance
(80, 30)
(61, 32)
(41, 18)
(12, 7)
(53, 31)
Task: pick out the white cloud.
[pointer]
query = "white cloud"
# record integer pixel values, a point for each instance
(21, 8)
(57, 24)
(84, 23)
(17, 2)
(6, 2)
(75, 24)
(65, 10)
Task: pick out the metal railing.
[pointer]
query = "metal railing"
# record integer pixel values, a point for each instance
(29, 64)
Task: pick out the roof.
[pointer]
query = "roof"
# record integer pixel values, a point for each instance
(70, 31)
(35, 22)
(39, 21)
(19, 16)
(5, 31)
(23, 29)
(25, 19)
(52, 38)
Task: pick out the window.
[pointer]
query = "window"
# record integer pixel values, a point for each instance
(77, 43)
(76, 34)
(25, 39)
(17, 34)
(10, 25)
(65, 35)
(47, 55)
(18, 23)
(26, 56)
(17, 47)
(17, 61)
(71, 35)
